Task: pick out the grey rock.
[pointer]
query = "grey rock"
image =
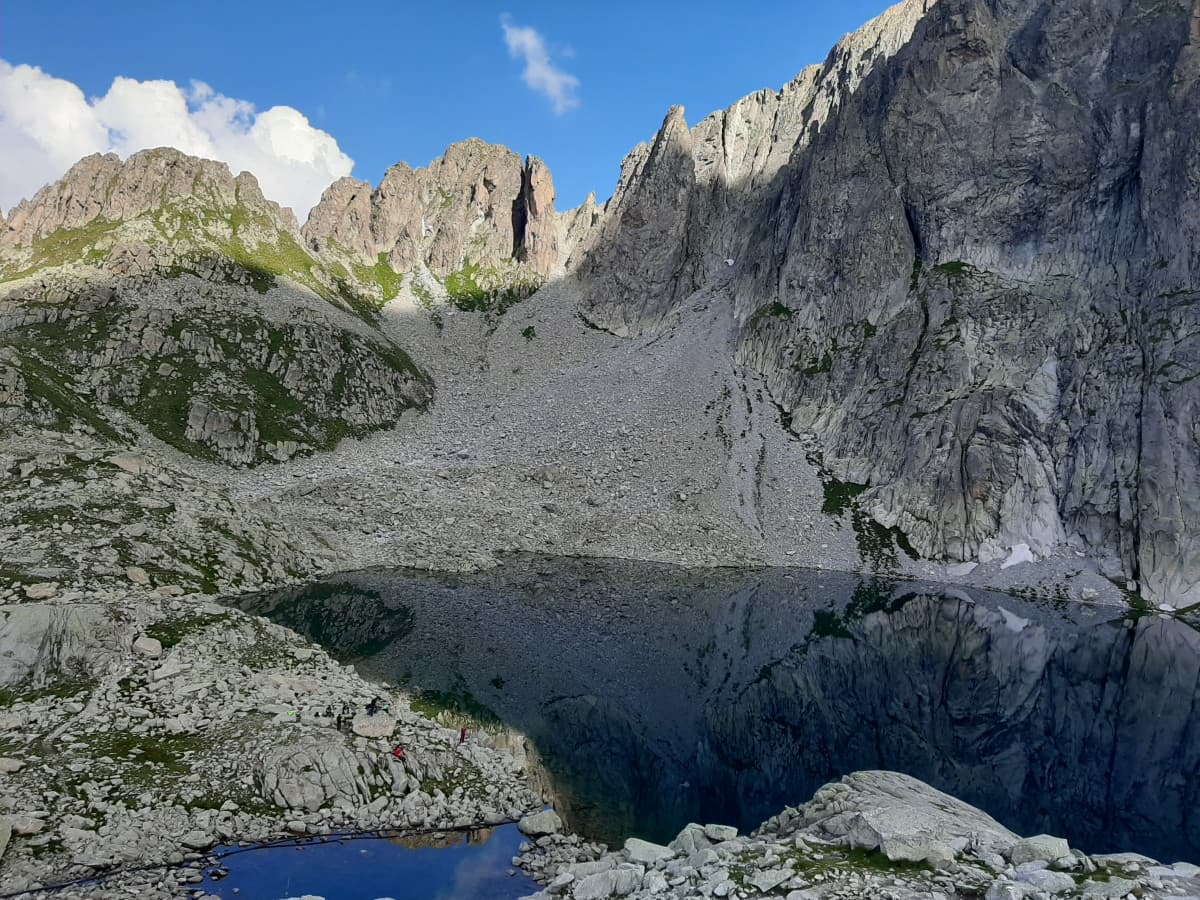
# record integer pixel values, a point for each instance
(104, 187)
(1048, 881)
(618, 882)
(379, 725)
(1008, 890)
(477, 202)
(901, 817)
(45, 642)
(42, 591)
(977, 436)
(693, 837)
(560, 883)
(655, 883)
(769, 879)
(1112, 889)
(316, 774)
(1041, 846)
(137, 575)
(197, 840)
(150, 648)
(640, 851)
(131, 462)
(541, 823)
(719, 833)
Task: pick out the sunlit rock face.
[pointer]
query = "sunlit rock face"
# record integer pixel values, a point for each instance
(963, 255)
(654, 696)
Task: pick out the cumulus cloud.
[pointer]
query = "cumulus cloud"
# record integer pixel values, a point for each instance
(540, 73)
(47, 124)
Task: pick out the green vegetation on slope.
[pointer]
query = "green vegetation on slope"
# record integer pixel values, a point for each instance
(474, 289)
(234, 363)
(68, 245)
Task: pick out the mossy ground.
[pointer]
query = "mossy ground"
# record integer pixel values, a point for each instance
(58, 354)
(456, 708)
(474, 289)
(876, 545)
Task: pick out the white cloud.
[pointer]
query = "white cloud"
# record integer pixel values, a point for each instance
(47, 124)
(540, 73)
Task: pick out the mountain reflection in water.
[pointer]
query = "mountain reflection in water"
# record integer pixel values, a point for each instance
(654, 696)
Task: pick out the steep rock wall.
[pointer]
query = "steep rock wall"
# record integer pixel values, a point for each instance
(963, 256)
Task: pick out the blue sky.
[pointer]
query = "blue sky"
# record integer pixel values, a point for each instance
(399, 81)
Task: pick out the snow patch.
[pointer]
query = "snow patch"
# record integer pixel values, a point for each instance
(1020, 554)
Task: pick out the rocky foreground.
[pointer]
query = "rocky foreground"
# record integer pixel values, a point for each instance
(140, 732)
(874, 836)
(137, 732)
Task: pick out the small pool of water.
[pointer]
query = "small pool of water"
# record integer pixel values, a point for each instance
(649, 696)
(473, 865)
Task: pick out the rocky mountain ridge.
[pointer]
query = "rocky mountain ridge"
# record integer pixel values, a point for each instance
(968, 296)
(930, 309)
(975, 293)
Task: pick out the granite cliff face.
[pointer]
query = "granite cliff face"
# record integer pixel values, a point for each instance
(107, 189)
(479, 205)
(959, 256)
(962, 255)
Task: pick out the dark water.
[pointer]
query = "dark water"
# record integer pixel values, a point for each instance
(655, 696)
(474, 866)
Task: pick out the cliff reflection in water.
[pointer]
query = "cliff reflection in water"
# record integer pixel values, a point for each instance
(655, 696)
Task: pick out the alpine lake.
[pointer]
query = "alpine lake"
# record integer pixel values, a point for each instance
(645, 696)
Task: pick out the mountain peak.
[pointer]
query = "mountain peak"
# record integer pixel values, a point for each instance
(478, 203)
(103, 188)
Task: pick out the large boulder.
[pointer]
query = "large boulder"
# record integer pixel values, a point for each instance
(903, 818)
(618, 882)
(41, 643)
(540, 824)
(312, 775)
(1040, 846)
(379, 725)
(645, 852)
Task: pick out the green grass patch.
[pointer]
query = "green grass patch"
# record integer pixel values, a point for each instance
(64, 246)
(381, 274)
(455, 707)
(822, 366)
(467, 292)
(174, 631)
(876, 545)
(955, 267)
(774, 310)
(52, 387)
(840, 496)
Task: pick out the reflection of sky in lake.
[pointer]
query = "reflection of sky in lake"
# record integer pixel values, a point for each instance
(379, 869)
(656, 696)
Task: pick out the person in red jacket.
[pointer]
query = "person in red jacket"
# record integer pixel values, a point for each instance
(462, 736)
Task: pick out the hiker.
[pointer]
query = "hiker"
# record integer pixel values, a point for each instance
(462, 736)
(339, 721)
(373, 706)
(398, 753)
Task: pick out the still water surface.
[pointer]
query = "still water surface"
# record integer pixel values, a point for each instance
(652, 696)
(471, 866)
